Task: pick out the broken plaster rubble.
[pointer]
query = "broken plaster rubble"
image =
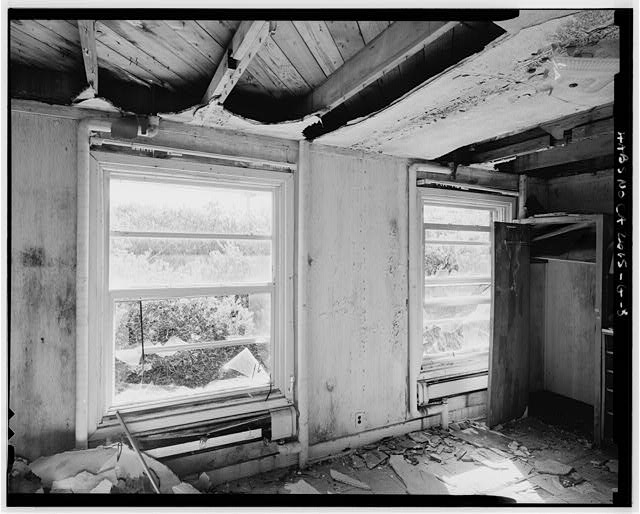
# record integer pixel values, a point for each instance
(88, 471)
(211, 115)
(467, 458)
(484, 462)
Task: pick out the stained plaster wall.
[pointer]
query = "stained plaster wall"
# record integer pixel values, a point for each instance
(42, 278)
(43, 188)
(356, 299)
(357, 290)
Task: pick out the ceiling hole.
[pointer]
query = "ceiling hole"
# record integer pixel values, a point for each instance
(531, 70)
(573, 84)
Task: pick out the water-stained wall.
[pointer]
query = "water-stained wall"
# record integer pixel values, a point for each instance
(356, 297)
(43, 281)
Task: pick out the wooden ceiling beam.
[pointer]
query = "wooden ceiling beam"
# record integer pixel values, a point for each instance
(563, 230)
(87, 29)
(392, 46)
(589, 123)
(581, 150)
(250, 36)
(530, 145)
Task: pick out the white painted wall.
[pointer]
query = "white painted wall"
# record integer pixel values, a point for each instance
(356, 217)
(356, 293)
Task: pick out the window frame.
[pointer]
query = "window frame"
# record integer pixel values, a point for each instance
(99, 409)
(505, 208)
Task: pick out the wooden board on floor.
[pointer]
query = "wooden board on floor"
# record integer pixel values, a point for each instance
(509, 351)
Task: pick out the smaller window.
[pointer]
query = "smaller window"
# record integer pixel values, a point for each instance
(456, 264)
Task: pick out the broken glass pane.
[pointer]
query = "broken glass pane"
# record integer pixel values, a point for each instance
(191, 346)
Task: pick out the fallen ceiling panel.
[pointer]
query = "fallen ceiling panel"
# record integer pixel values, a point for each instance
(559, 67)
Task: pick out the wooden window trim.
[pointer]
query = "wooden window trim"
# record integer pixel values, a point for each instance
(505, 207)
(174, 412)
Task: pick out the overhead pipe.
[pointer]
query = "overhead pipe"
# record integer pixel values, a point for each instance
(131, 127)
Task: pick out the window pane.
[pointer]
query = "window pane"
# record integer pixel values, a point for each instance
(140, 206)
(457, 235)
(178, 362)
(455, 329)
(456, 215)
(456, 260)
(152, 262)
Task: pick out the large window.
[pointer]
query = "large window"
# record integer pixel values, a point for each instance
(193, 285)
(457, 255)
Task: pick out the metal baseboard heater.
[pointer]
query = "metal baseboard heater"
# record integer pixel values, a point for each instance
(429, 391)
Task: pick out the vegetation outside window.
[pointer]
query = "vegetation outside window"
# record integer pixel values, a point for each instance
(190, 280)
(457, 255)
(190, 291)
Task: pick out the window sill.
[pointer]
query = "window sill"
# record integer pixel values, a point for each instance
(159, 419)
(429, 390)
(447, 367)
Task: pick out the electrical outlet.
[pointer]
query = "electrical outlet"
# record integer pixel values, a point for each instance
(359, 420)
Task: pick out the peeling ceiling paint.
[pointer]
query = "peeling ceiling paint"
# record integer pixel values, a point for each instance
(545, 71)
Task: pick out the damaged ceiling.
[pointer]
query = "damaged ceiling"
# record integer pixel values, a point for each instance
(557, 68)
(420, 89)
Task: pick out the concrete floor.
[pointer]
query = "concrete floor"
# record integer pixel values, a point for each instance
(526, 461)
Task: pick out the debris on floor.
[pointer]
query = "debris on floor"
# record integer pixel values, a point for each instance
(527, 461)
(612, 465)
(301, 487)
(103, 470)
(552, 467)
(345, 479)
(468, 458)
(184, 488)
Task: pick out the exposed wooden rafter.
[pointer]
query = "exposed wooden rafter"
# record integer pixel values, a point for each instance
(563, 230)
(400, 41)
(250, 36)
(582, 150)
(515, 149)
(586, 124)
(87, 29)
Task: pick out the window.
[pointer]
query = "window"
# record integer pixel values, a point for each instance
(456, 264)
(193, 284)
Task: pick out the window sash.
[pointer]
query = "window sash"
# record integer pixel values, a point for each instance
(436, 364)
(165, 293)
(160, 294)
(155, 293)
(190, 235)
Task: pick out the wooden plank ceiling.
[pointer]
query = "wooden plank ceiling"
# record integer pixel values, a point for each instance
(151, 66)
(181, 55)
